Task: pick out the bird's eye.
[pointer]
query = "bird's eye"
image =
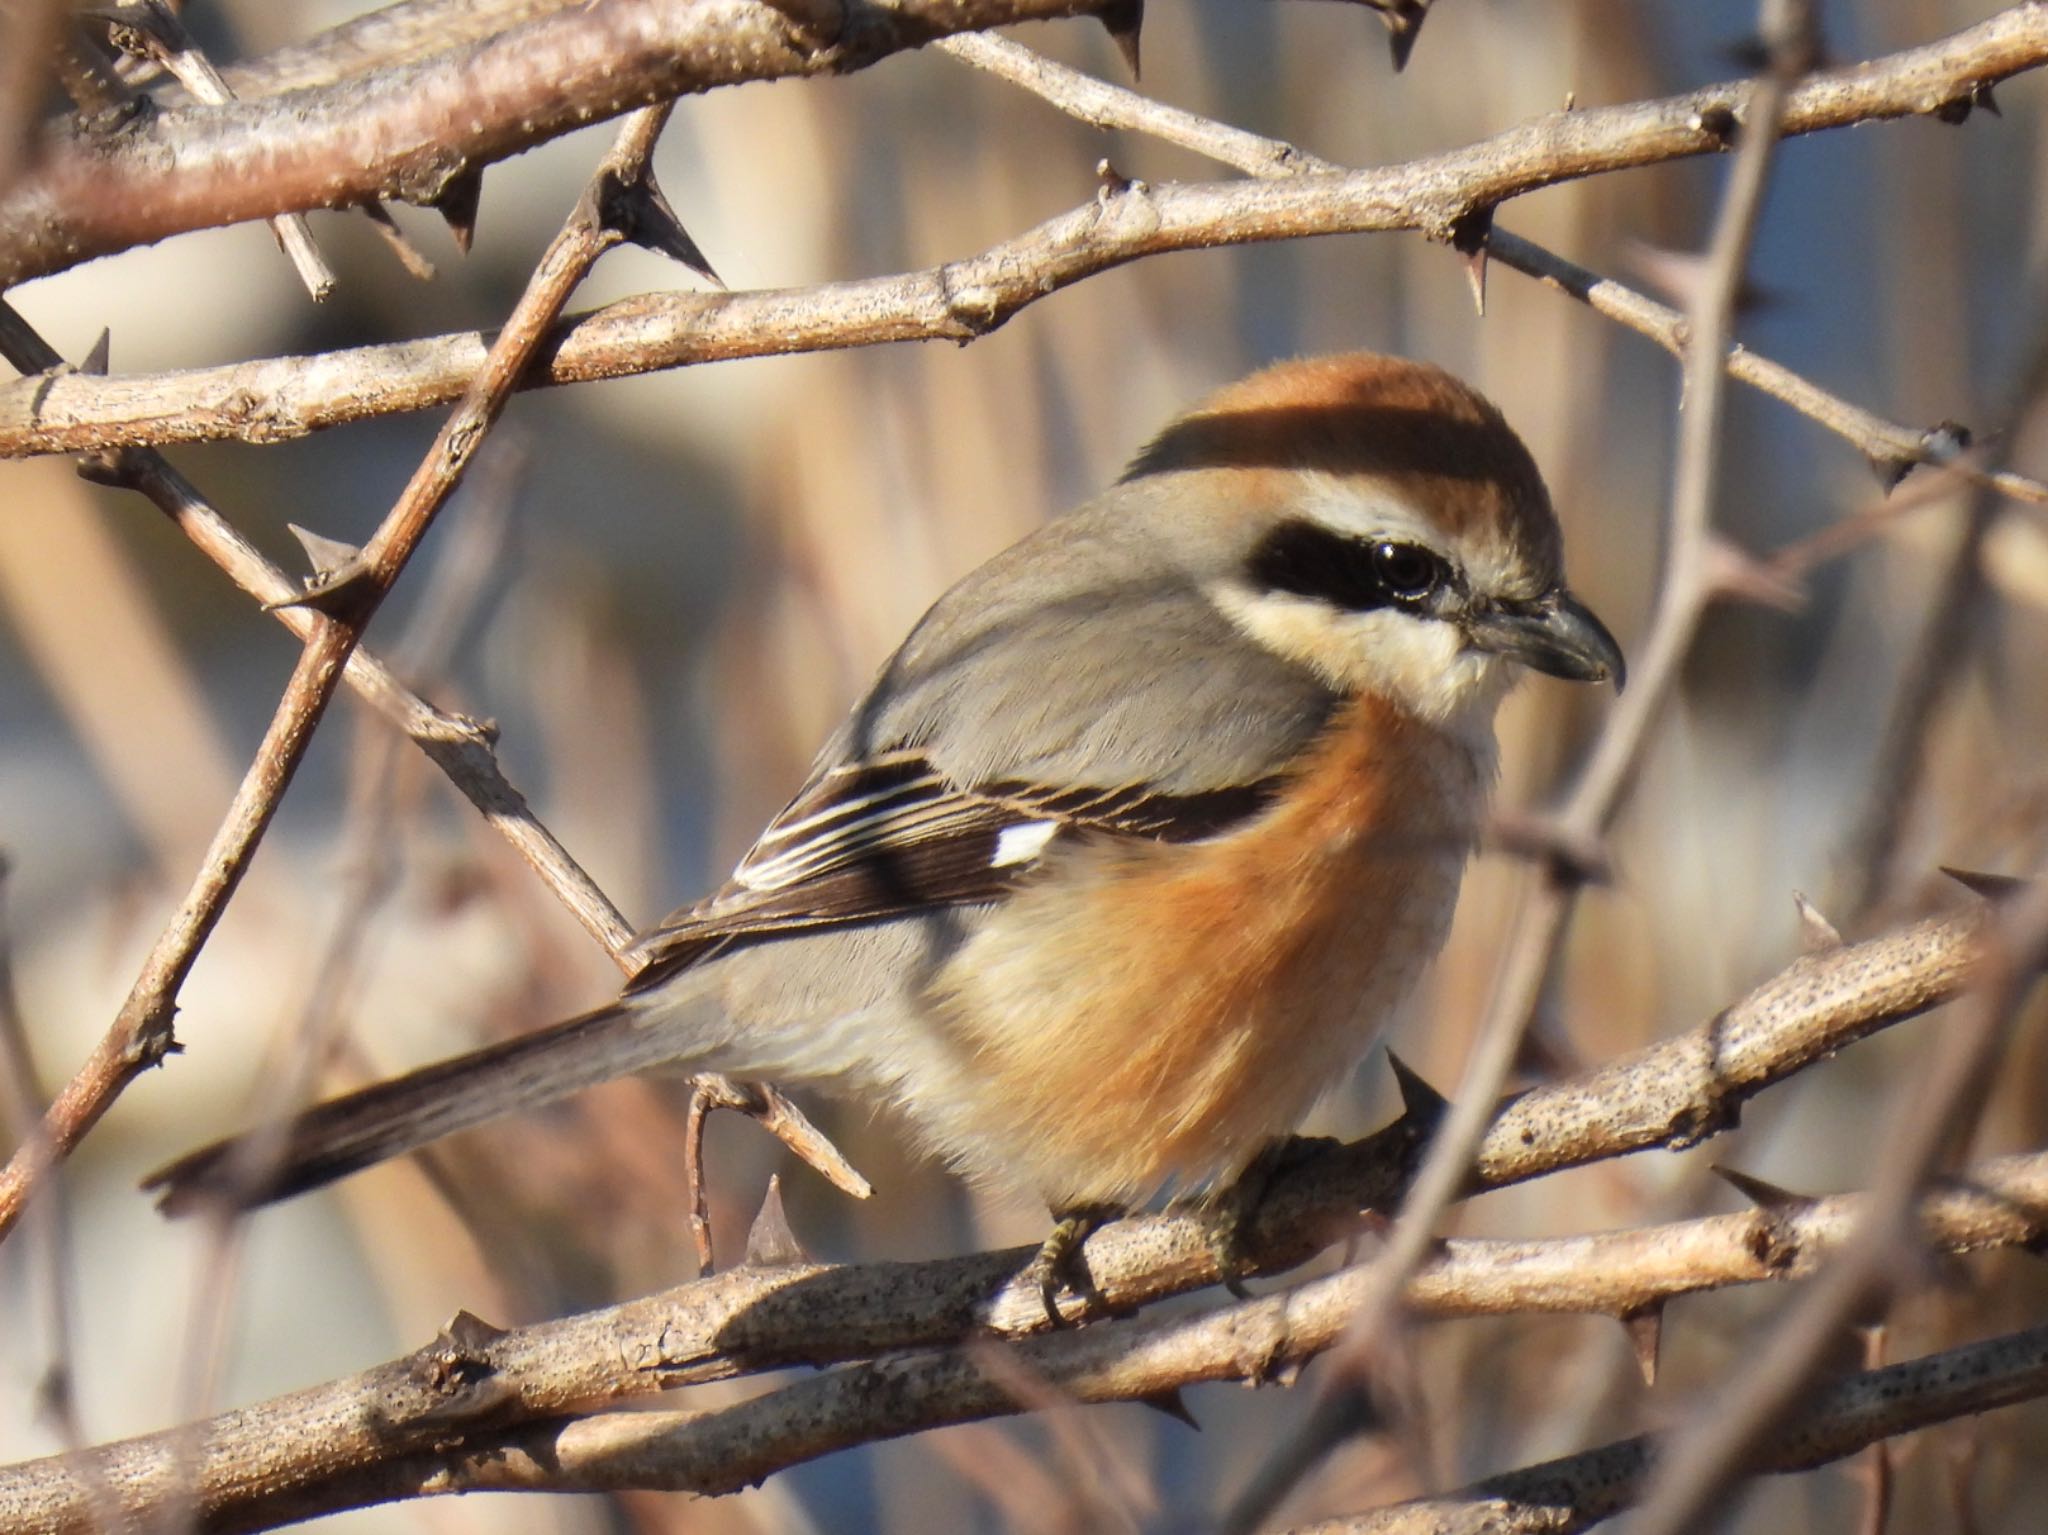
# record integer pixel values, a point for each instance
(1407, 571)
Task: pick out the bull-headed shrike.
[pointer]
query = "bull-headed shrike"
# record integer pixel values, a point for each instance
(1138, 838)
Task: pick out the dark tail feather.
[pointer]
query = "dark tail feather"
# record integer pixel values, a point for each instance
(346, 1134)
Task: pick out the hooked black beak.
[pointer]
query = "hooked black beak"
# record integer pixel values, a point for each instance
(1556, 633)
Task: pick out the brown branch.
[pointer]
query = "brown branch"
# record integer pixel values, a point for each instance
(412, 131)
(447, 1417)
(1579, 1491)
(463, 748)
(1722, 1441)
(141, 1034)
(150, 29)
(754, 1319)
(279, 398)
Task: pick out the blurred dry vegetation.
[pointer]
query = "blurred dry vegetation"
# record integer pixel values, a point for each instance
(669, 587)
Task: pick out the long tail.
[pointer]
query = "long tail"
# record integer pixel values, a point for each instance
(346, 1134)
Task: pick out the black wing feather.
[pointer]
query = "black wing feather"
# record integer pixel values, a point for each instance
(892, 835)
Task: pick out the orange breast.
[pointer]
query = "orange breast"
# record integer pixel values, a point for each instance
(1146, 1015)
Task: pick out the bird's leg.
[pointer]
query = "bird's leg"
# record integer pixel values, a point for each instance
(1234, 1207)
(1058, 1260)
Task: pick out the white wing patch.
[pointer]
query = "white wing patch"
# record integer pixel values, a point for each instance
(1021, 844)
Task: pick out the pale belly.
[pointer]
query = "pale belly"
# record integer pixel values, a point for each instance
(1150, 1017)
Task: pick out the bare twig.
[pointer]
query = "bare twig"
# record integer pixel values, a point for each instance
(1723, 1440)
(478, 1405)
(1579, 1491)
(141, 1034)
(463, 748)
(279, 398)
(755, 1318)
(150, 29)
(413, 132)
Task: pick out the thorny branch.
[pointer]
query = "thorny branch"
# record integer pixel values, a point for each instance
(478, 1399)
(278, 398)
(345, 600)
(1579, 1491)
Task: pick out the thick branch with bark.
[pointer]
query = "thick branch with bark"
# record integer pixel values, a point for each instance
(286, 397)
(484, 1408)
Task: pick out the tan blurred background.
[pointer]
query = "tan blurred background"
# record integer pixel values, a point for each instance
(691, 575)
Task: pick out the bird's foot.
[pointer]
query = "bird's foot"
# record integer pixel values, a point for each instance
(1059, 1262)
(1233, 1209)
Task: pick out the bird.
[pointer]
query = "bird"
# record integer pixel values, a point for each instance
(1136, 842)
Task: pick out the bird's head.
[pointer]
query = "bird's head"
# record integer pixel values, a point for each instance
(1376, 520)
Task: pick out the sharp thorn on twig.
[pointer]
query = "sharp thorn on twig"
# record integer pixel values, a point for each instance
(1768, 1197)
(457, 203)
(1419, 1101)
(96, 359)
(1890, 470)
(1404, 20)
(1124, 21)
(1957, 108)
(1817, 935)
(771, 1241)
(467, 1331)
(326, 555)
(1992, 887)
(337, 567)
(638, 211)
(1470, 232)
(1645, 1329)
(1174, 1406)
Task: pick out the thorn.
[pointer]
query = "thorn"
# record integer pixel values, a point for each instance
(1890, 471)
(1956, 110)
(1981, 95)
(1768, 1197)
(770, 1241)
(1124, 20)
(466, 1330)
(1470, 232)
(1816, 934)
(96, 359)
(337, 567)
(1645, 1329)
(1419, 1101)
(640, 212)
(1404, 20)
(327, 555)
(457, 203)
(1992, 887)
(1171, 1403)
